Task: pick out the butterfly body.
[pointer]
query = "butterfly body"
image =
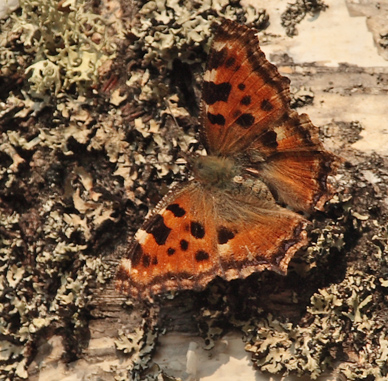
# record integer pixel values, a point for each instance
(229, 220)
(214, 170)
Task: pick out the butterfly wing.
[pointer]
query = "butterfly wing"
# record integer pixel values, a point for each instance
(168, 251)
(195, 235)
(243, 95)
(294, 164)
(246, 113)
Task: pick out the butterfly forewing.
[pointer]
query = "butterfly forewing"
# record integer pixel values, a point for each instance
(246, 113)
(243, 95)
(191, 240)
(173, 249)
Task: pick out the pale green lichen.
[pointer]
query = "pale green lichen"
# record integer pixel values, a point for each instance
(68, 41)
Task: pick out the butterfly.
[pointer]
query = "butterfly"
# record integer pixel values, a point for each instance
(229, 220)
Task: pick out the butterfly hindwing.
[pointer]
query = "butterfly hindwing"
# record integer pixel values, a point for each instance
(297, 166)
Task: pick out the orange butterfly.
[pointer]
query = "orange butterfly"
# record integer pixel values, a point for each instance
(227, 221)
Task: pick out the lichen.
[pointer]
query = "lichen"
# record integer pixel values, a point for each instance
(27, 286)
(138, 346)
(341, 328)
(50, 54)
(297, 11)
(170, 29)
(68, 43)
(339, 316)
(178, 25)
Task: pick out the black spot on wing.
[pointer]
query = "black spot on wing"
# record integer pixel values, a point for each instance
(266, 105)
(146, 259)
(213, 93)
(158, 229)
(176, 210)
(197, 230)
(170, 251)
(269, 139)
(201, 255)
(230, 62)
(246, 100)
(216, 119)
(224, 235)
(245, 120)
(217, 58)
(154, 261)
(184, 245)
(241, 86)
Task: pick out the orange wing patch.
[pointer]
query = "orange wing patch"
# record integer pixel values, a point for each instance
(172, 249)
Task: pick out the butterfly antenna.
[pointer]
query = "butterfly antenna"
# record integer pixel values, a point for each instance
(181, 155)
(171, 113)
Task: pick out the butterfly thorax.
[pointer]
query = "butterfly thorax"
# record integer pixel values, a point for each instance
(214, 170)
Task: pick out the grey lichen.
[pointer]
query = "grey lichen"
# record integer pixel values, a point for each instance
(167, 28)
(172, 29)
(297, 11)
(27, 307)
(138, 345)
(49, 215)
